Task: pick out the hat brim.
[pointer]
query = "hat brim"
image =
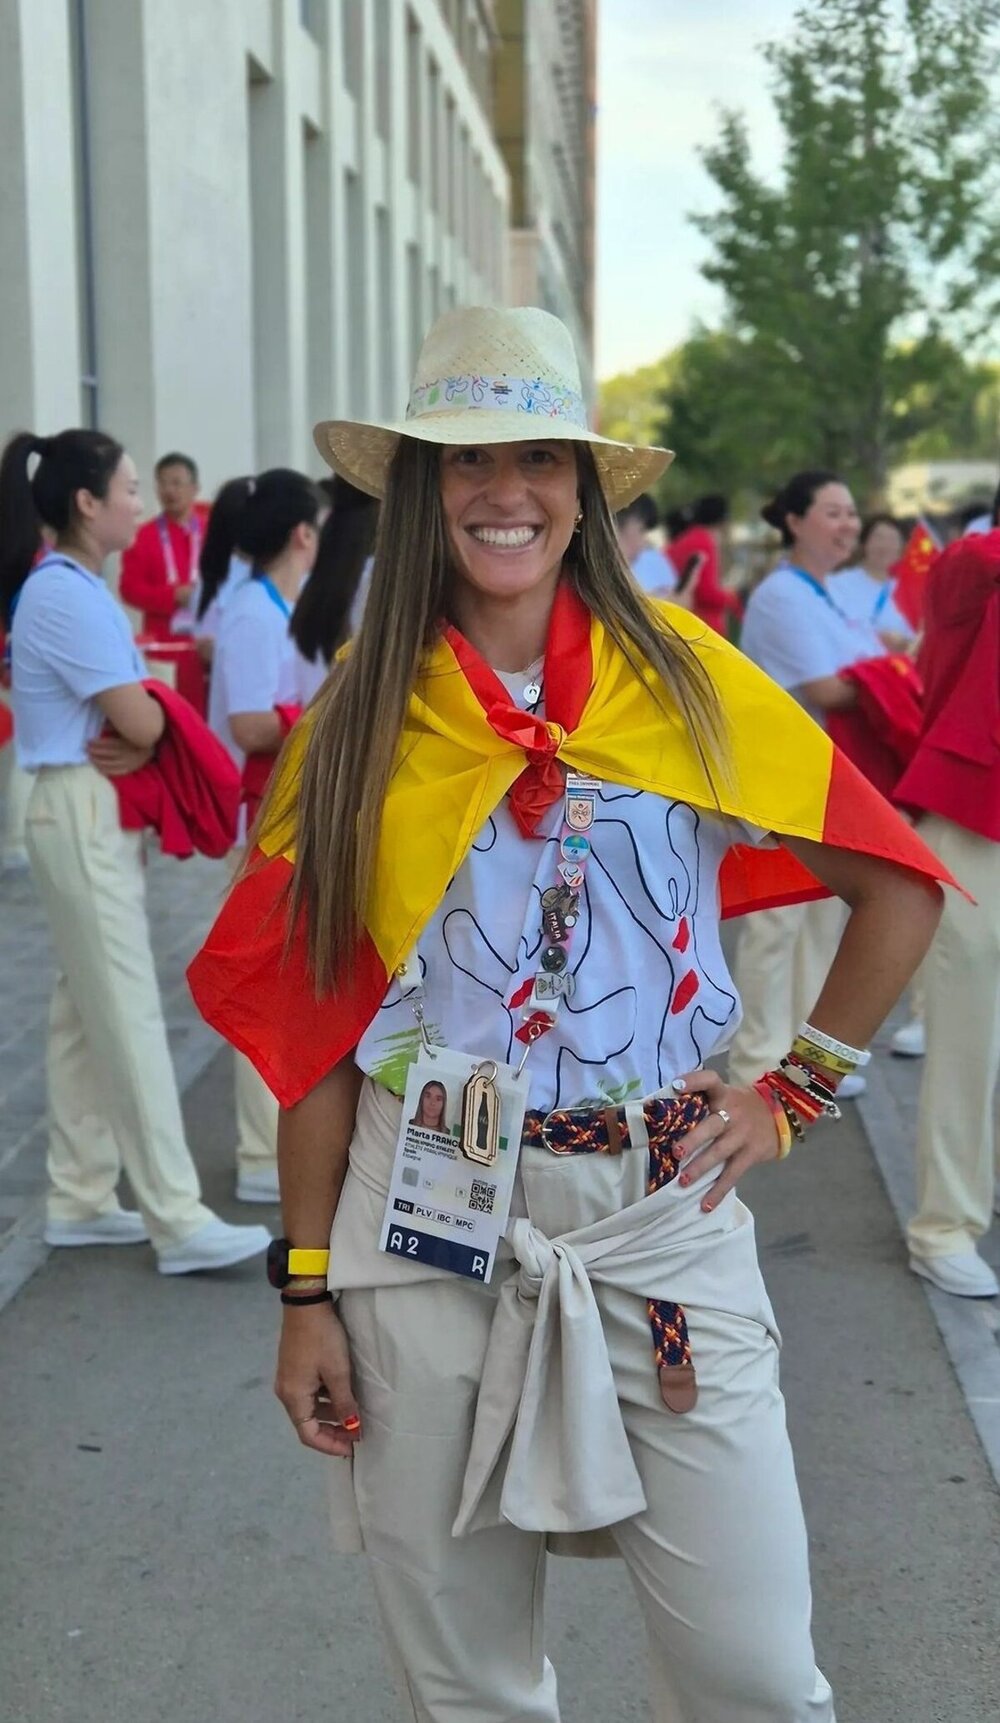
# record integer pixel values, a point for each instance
(362, 453)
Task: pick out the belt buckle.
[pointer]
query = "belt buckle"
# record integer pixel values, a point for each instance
(553, 1148)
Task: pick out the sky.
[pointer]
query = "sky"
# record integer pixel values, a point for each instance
(665, 68)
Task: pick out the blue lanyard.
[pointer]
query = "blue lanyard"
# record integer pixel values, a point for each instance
(882, 600)
(275, 596)
(816, 585)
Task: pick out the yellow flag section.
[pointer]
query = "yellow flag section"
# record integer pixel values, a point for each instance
(464, 747)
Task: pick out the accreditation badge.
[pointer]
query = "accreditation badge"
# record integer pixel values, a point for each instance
(456, 1158)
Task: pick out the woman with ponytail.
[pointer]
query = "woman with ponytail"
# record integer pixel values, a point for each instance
(84, 718)
(797, 632)
(332, 601)
(254, 700)
(221, 568)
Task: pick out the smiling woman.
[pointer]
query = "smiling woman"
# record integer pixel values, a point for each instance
(495, 855)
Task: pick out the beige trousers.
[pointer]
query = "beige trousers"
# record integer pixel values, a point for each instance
(256, 1107)
(17, 791)
(782, 961)
(256, 1120)
(113, 1099)
(718, 1557)
(956, 1137)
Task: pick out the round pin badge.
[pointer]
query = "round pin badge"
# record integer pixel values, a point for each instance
(554, 960)
(574, 847)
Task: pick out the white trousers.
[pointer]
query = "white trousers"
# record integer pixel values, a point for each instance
(113, 1099)
(256, 1120)
(961, 985)
(718, 1557)
(782, 961)
(256, 1107)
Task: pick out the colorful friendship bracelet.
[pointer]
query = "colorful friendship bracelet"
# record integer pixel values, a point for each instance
(778, 1113)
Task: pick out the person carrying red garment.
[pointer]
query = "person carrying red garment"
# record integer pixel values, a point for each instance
(254, 699)
(695, 532)
(160, 570)
(75, 670)
(953, 781)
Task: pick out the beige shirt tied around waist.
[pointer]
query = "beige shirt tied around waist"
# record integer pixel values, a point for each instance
(586, 1222)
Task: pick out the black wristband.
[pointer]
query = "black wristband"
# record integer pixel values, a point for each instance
(310, 1298)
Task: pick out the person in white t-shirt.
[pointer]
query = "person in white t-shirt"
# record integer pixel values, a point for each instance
(654, 572)
(331, 603)
(256, 669)
(796, 630)
(866, 592)
(83, 718)
(221, 570)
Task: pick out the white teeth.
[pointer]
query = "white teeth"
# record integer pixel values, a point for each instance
(508, 538)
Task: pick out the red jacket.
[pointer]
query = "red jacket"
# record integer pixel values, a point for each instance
(880, 733)
(146, 581)
(190, 791)
(711, 601)
(955, 771)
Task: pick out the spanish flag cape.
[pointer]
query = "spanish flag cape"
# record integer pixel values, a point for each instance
(465, 746)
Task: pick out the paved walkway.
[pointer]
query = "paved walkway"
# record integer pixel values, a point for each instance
(144, 1455)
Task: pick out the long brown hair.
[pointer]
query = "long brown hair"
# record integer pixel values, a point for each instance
(357, 718)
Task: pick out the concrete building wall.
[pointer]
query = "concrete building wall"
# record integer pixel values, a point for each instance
(279, 196)
(544, 83)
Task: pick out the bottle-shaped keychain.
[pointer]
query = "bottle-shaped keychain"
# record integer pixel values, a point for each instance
(481, 1116)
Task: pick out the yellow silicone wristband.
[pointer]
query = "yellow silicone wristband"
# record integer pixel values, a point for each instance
(308, 1262)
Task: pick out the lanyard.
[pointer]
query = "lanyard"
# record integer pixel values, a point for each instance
(166, 545)
(560, 912)
(881, 601)
(274, 595)
(816, 585)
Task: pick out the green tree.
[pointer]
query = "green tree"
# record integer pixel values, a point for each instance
(882, 234)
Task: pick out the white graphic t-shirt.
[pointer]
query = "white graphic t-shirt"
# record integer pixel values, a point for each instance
(653, 996)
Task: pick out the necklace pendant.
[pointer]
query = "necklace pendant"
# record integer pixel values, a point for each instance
(532, 692)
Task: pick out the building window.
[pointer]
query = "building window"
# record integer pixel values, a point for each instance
(414, 103)
(352, 23)
(313, 19)
(434, 128)
(385, 345)
(383, 67)
(450, 165)
(357, 320)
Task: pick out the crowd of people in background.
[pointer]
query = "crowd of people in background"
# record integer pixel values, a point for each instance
(252, 597)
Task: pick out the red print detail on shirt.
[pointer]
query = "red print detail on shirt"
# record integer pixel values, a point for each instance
(682, 937)
(687, 987)
(522, 993)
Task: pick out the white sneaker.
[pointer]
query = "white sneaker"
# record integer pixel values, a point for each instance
(851, 1087)
(214, 1245)
(260, 1186)
(962, 1273)
(118, 1226)
(910, 1042)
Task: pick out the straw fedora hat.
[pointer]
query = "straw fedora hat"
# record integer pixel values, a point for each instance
(490, 375)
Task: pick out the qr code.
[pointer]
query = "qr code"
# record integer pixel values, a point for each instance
(481, 1199)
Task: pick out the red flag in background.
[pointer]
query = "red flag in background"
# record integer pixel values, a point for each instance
(911, 573)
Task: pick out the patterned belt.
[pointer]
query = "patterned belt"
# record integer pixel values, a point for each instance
(606, 1131)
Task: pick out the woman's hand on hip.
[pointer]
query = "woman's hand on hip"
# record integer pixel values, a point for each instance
(739, 1132)
(313, 1380)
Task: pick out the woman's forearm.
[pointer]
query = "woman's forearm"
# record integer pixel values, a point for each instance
(894, 914)
(313, 1140)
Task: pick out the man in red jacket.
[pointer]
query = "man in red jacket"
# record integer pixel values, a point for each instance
(953, 780)
(160, 570)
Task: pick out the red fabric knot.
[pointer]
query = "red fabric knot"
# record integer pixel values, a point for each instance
(542, 782)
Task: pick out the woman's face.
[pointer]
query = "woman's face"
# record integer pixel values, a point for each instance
(509, 511)
(828, 531)
(433, 1107)
(113, 520)
(883, 547)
